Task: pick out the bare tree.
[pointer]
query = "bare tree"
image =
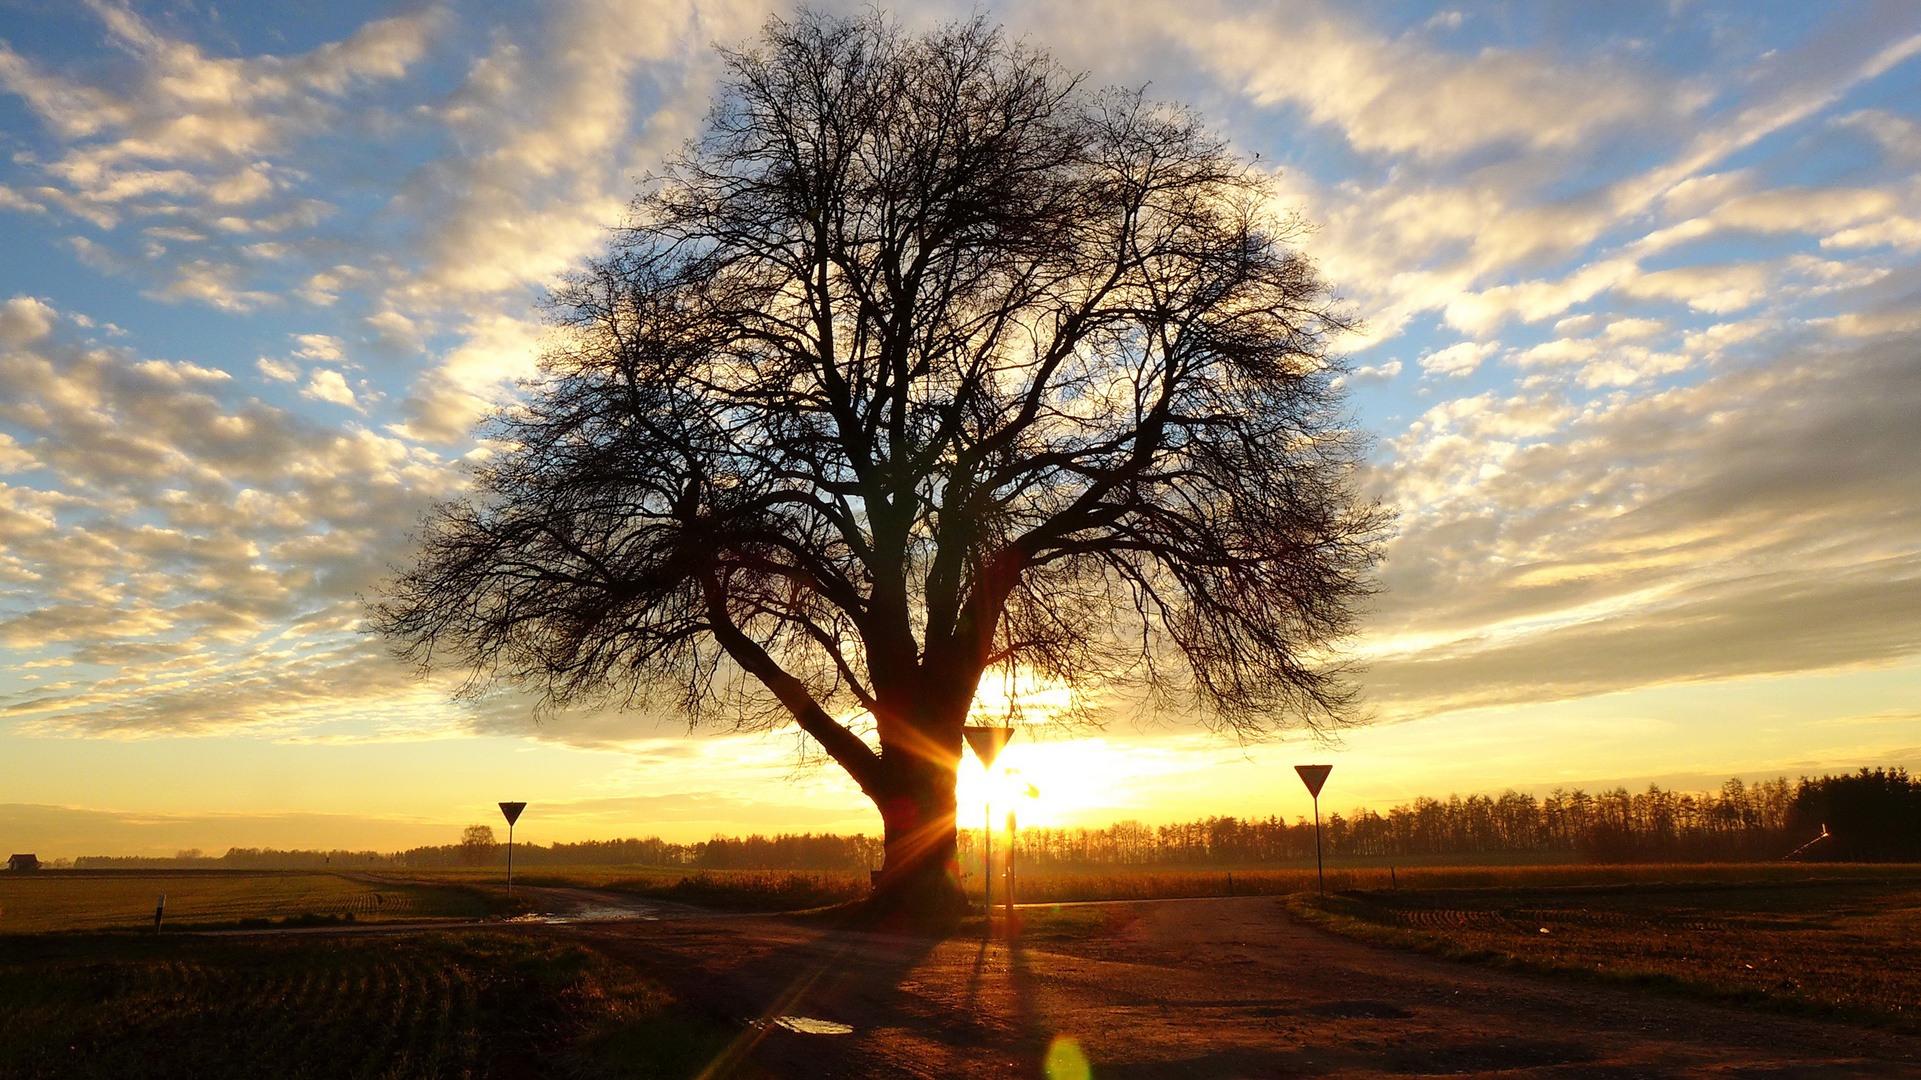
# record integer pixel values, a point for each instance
(924, 363)
(477, 844)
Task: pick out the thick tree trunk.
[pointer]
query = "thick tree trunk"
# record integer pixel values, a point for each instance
(919, 886)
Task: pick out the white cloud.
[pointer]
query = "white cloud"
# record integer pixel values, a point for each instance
(1459, 359)
(1373, 374)
(206, 546)
(1898, 135)
(472, 378)
(548, 125)
(1396, 96)
(327, 384)
(25, 320)
(200, 555)
(215, 284)
(1756, 522)
(320, 347)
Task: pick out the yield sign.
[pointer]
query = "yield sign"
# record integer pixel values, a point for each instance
(987, 741)
(1314, 776)
(511, 811)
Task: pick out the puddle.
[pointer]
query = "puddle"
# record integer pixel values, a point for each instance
(587, 914)
(599, 914)
(808, 1025)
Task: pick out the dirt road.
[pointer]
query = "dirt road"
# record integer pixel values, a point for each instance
(1200, 988)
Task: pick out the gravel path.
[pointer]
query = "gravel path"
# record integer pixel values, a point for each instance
(1223, 988)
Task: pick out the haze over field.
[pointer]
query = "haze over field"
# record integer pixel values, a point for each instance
(1642, 310)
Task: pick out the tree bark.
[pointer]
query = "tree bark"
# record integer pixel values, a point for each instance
(919, 886)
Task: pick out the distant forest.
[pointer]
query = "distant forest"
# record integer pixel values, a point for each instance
(1873, 815)
(1870, 816)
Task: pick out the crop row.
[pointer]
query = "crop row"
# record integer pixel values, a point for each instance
(417, 1008)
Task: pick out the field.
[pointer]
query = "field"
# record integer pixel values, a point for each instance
(532, 1000)
(1062, 888)
(1834, 942)
(726, 890)
(106, 899)
(431, 1006)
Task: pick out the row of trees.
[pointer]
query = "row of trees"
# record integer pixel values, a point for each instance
(1872, 815)
(477, 847)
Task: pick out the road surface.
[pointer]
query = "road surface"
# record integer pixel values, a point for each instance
(1223, 987)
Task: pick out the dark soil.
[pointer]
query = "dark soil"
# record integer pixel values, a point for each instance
(1197, 988)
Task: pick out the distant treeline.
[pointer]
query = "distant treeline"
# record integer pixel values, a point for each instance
(1872, 815)
(784, 852)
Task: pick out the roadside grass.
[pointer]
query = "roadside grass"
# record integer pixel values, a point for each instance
(471, 1004)
(745, 890)
(64, 900)
(1049, 887)
(1836, 945)
(779, 890)
(1043, 926)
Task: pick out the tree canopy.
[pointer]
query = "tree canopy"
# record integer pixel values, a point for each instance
(924, 362)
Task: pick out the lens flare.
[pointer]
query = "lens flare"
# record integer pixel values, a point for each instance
(1065, 1061)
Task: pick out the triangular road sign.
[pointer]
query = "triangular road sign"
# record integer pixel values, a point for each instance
(1314, 776)
(987, 741)
(511, 811)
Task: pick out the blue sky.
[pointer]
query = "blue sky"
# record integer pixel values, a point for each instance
(1642, 307)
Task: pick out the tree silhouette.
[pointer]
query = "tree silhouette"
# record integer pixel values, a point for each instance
(477, 844)
(924, 362)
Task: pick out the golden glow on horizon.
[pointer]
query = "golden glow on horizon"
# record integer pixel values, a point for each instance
(1072, 779)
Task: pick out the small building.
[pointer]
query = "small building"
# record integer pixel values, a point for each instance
(23, 862)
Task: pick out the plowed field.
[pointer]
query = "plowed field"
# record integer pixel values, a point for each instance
(1822, 947)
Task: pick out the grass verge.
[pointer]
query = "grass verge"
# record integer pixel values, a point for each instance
(1836, 949)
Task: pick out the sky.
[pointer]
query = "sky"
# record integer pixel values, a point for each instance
(1640, 360)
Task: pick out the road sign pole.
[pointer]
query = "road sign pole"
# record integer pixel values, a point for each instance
(987, 865)
(987, 740)
(1320, 875)
(511, 811)
(1009, 889)
(1315, 776)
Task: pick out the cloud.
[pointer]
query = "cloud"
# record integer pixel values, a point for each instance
(1458, 359)
(472, 378)
(1401, 97)
(1899, 136)
(1754, 523)
(226, 538)
(25, 320)
(328, 385)
(216, 285)
(1691, 456)
(547, 121)
(194, 127)
(66, 832)
(1373, 374)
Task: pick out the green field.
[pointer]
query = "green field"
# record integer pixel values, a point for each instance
(437, 1005)
(104, 899)
(1837, 944)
